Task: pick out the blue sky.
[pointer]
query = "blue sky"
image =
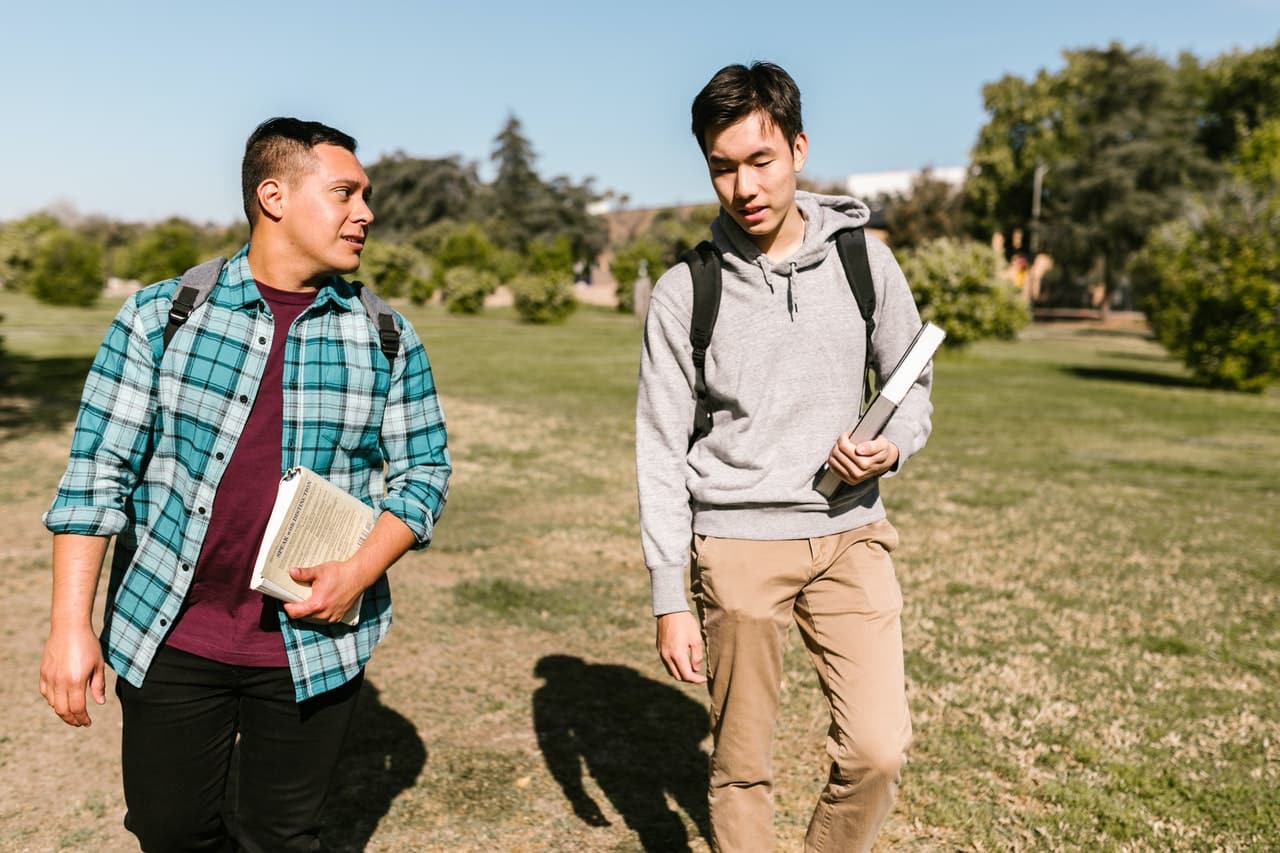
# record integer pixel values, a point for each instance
(139, 110)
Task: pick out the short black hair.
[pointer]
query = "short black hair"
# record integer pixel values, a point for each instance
(276, 149)
(736, 91)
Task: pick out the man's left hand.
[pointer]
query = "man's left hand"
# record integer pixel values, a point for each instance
(334, 588)
(855, 463)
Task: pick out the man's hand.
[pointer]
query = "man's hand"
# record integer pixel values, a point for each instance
(855, 463)
(334, 588)
(72, 664)
(680, 646)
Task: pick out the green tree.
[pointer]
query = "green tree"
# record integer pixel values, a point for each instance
(18, 240)
(956, 285)
(164, 251)
(411, 193)
(1241, 93)
(522, 209)
(931, 209)
(1132, 165)
(1258, 158)
(66, 268)
(1210, 283)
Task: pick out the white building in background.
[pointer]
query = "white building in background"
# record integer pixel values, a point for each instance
(870, 185)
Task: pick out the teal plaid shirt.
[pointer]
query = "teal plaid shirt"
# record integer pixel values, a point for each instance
(151, 445)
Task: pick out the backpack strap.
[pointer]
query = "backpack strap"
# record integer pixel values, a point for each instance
(194, 288)
(384, 320)
(198, 282)
(852, 246)
(704, 269)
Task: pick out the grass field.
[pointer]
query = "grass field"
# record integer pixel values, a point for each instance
(1090, 563)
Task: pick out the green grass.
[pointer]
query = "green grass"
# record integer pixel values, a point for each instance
(1090, 564)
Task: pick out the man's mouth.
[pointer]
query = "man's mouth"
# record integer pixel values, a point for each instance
(753, 214)
(355, 240)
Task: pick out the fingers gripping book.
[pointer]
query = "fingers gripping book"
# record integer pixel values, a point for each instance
(886, 402)
(312, 522)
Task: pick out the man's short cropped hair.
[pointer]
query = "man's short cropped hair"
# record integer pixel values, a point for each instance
(279, 148)
(736, 91)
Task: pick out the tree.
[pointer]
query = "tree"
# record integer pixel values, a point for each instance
(66, 268)
(167, 250)
(18, 240)
(518, 191)
(626, 265)
(1106, 148)
(931, 209)
(1210, 283)
(411, 193)
(1241, 92)
(543, 298)
(1132, 165)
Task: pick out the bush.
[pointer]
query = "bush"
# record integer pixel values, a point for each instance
(957, 285)
(543, 298)
(393, 270)
(167, 250)
(66, 269)
(1210, 284)
(626, 269)
(465, 289)
(18, 241)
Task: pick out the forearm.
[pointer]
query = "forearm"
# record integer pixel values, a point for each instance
(387, 542)
(77, 565)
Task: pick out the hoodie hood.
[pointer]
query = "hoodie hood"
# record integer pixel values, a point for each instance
(824, 216)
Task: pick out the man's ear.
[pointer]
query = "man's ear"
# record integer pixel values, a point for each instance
(271, 198)
(800, 150)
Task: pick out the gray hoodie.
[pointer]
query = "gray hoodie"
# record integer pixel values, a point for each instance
(784, 378)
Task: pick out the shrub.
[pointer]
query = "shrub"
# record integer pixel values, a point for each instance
(164, 251)
(1210, 284)
(957, 285)
(465, 289)
(626, 269)
(393, 270)
(66, 268)
(543, 298)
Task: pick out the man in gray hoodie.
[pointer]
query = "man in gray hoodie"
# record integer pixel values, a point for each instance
(784, 373)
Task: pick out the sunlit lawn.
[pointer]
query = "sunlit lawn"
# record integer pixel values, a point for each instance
(1089, 561)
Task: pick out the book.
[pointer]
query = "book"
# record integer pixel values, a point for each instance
(886, 402)
(312, 522)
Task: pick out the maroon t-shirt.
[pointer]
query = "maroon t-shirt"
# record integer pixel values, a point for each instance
(221, 618)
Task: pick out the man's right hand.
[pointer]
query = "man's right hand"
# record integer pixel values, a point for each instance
(680, 646)
(72, 664)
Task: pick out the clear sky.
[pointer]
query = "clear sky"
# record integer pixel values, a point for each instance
(139, 110)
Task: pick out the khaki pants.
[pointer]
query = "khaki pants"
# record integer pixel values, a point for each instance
(844, 596)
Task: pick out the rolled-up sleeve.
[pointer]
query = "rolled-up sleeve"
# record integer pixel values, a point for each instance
(112, 432)
(415, 442)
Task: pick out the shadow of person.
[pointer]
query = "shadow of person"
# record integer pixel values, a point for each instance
(639, 739)
(383, 756)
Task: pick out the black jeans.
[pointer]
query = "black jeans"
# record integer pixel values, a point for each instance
(179, 730)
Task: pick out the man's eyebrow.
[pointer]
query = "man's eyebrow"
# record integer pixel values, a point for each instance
(766, 151)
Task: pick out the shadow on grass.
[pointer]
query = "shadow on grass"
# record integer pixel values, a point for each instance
(383, 756)
(40, 393)
(1122, 374)
(639, 739)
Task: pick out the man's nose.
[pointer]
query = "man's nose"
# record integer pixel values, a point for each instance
(363, 212)
(745, 184)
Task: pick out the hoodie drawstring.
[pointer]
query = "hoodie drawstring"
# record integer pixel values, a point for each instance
(793, 307)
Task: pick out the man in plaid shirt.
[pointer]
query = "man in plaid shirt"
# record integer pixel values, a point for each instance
(177, 452)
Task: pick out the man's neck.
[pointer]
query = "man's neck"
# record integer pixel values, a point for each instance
(789, 237)
(279, 270)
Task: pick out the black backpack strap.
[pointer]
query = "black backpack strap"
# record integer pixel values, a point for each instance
(193, 289)
(704, 269)
(384, 320)
(852, 246)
